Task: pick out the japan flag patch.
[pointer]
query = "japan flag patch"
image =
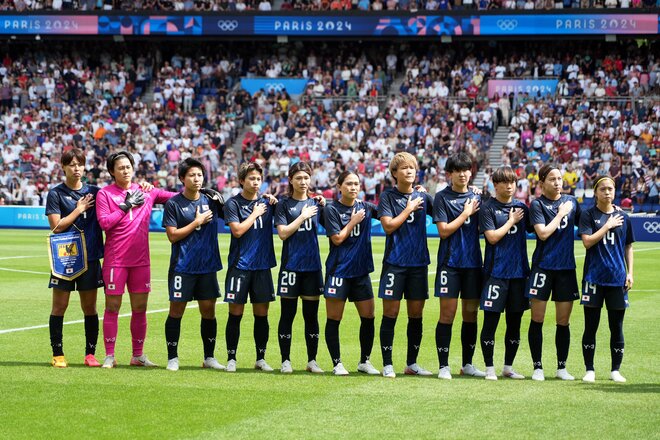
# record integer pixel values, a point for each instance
(488, 304)
(533, 291)
(389, 292)
(444, 290)
(585, 297)
(332, 291)
(231, 296)
(284, 289)
(177, 294)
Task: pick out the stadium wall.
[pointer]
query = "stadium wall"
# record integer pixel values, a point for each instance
(33, 217)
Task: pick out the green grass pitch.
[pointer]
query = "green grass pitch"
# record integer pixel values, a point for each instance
(39, 401)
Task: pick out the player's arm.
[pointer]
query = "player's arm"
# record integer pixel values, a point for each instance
(59, 224)
(175, 234)
(107, 217)
(495, 235)
(240, 228)
(391, 224)
(286, 231)
(629, 265)
(544, 231)
(445, 229)
(591, 240)
(356, 217)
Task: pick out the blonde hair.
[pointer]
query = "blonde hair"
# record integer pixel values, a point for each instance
(401, 159)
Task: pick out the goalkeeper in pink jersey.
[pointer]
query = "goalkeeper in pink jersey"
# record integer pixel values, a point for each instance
(124, 212)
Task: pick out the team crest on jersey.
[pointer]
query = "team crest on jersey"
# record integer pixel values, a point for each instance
(332, 291)
(389, 292)
(585, 297)
(488, 304)
(533, 291)
(177, 294)
(231, 296)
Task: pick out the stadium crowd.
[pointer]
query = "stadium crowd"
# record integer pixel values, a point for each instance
(349, 117)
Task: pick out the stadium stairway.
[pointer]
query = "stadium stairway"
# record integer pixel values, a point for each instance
(494, 157)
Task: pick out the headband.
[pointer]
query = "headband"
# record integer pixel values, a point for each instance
(601, 179)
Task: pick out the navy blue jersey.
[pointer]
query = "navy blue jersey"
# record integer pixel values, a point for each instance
(506, 259)
(353, 257)
(605, 263)
(63, 200)
(461, 249)
(557, 252)
(254, 250)
(199, 252)
(406, 246)
(300, 252)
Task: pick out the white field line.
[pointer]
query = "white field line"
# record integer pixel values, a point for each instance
(80, 321)
(12, 330)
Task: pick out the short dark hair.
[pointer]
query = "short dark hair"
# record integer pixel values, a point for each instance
(545, 170)
(74, 153)
(459, 162)
(114, 157)
(246, 168)
(186, 164)
(504, 174)
(344, 175)
(295, 168)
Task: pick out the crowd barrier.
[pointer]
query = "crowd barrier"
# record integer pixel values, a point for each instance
(33, 217)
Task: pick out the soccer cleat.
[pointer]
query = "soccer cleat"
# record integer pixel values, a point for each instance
(416, 370)
(339, 370)
(563, 374)
(173, 364)
(590, 377)
(539, 375)
(490, 373)
(445, 373)
(286, 367)
(142, 361)
(508, 371)
(109, 362)
(617, 377)
(388, 371)
(231, 366)
(263, 366)
(91, 361)
(470, 370)
(213, 363)
(313, 367)
(59, 362)
(367, 367)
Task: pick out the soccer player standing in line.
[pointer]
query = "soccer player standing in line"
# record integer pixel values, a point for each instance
(296, 219)
(402, 211)
(70, 205)
(554, 216)
(349, 263)
(459, 263)
(504, 222)
(190, 223)
(124, 213)
(608, 274)
(251, 256)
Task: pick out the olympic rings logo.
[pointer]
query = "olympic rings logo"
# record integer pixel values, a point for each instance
(277, 87)
(227, 25)
(652, 227)
(507, 25)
